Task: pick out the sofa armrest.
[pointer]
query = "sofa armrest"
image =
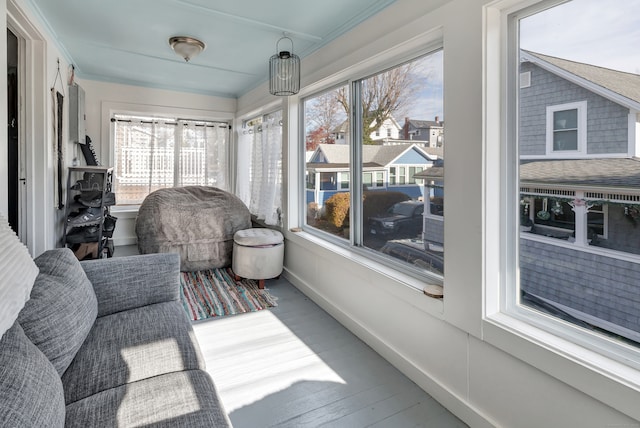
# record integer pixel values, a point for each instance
(124, 283)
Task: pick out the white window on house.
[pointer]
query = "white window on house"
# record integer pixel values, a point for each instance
(344, 180)
(392, 176)
(389, 132)
(388, 222)
(402, 175)
(259, 175)
(373, 180)
(567, 128)
(413, 170)
(151, 153)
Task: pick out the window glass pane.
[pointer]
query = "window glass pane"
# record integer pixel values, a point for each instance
(152, 153)
(327, 139)
(567, 119)
(344, 180)
(579, 246)
(565, 140)
(393, 212)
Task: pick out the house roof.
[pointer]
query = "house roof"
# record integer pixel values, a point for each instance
(422, 124)
(621, 83)
(381, 155)
(601, 173)
(433, 173)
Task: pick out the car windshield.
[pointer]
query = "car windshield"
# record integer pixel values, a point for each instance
(402, 209)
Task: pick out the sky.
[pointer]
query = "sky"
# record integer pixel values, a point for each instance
(602, 33)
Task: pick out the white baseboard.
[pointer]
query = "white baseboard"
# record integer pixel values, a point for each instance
(454, 403)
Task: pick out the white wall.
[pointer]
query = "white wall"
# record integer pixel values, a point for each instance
(103, 98)
(440, 345)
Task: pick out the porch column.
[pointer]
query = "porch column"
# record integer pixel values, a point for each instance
(581, 208)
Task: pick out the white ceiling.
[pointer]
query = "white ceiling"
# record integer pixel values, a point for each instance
(126, 41)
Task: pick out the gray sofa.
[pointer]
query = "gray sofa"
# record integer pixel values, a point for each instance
(105, 343)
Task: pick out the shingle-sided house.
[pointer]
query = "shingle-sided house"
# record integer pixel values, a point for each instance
(385, 167)
(580, 188)
(429, 131)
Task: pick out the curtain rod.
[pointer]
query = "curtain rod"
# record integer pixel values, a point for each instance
(203, 123)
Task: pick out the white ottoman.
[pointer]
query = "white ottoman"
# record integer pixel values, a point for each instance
(258, 254)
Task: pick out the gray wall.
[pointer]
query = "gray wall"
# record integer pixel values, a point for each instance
(601, 286)
(607, 121)
(433, 230)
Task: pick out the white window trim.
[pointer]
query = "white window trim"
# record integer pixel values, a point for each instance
(348, 181)
(545, 343)
(581, 107)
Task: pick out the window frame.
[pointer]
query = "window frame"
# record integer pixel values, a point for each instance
(581, 129)
(352, 78)
(177, 119)
(580, 359)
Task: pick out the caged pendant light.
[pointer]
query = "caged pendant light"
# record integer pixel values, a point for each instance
(284, 71)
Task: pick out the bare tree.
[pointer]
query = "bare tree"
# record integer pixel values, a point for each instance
(382, 95)
(324, 115)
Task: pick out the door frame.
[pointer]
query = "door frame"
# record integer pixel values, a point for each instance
(37, 213)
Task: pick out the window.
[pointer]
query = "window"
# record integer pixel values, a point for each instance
(327, 202)
(578, 246)
(151, 153)
(387, 223)
(344, 181)
(566, 128)
(259, 178)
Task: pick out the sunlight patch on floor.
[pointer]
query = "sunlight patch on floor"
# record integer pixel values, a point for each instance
(254, 355)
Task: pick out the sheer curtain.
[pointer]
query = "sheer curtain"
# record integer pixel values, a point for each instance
(203, 154)
(152, 153)
(259, 181)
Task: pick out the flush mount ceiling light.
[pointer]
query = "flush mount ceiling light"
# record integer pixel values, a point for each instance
(284, 71)
(186, 47)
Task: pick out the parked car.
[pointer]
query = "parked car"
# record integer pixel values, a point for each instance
(403, 218)
(413, 252)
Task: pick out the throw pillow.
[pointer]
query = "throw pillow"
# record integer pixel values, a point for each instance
(18, 273)
(62, 308)
(31, 393)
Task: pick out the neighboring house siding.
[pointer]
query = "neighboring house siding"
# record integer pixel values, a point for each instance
(607, 123)
(433, 230)
(623, 232)
(412, 157)
(601, 286)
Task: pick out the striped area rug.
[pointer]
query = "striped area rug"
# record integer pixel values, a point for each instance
(215, 293)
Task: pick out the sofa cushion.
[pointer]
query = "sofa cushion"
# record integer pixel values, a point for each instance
(31, 393)
(62, 307)
(130, 346)
(18, 273)
(180, 399)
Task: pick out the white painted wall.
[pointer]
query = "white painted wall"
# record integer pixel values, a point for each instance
(440, 345)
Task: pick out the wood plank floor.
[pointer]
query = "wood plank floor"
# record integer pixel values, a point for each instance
(295, 366)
